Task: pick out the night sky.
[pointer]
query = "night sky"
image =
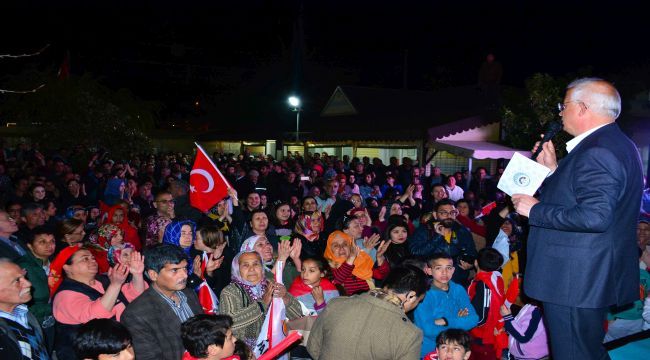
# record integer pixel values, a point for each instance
(219, 52)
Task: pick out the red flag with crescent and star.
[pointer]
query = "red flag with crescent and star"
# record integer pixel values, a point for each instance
(207, 185)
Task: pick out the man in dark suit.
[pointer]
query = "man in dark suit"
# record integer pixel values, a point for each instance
(582, 254)
(154, 319)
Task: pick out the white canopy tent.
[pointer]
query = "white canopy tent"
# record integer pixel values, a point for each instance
(474, 144)
(477, 149)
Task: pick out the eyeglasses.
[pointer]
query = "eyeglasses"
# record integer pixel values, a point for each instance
(446, 213)
(166, 201)
(562, 106)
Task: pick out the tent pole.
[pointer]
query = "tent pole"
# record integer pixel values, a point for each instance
(469, 170)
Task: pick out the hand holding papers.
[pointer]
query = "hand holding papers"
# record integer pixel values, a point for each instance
(522, 176)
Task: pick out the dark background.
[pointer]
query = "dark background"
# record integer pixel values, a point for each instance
(241, 59)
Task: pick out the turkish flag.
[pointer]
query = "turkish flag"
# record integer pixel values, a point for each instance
(207, 185)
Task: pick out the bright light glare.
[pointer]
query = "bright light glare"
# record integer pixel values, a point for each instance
(294, 101)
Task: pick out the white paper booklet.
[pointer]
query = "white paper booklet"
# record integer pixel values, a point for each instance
(522, 176)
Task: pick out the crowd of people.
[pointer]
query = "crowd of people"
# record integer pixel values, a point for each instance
(106, 258)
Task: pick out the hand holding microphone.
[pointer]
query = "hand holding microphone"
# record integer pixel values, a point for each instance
(544, 150)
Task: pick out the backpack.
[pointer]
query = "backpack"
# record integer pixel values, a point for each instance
(537, 346)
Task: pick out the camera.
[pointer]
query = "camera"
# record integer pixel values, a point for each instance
(466, 258)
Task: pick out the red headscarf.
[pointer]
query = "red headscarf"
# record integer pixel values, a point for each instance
(130, 233)
(56, 267)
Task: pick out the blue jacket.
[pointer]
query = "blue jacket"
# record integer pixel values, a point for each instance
(425, 242)
(443, 304)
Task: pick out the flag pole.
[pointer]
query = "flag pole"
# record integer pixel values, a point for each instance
(213, 165)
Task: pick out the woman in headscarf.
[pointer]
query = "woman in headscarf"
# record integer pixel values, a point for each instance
(117, 216)
(182, 233)
(83, 295)
(309, 229)
(115, 191)
(248, 297)
(353, 268)
(285, 251)
(72, 233)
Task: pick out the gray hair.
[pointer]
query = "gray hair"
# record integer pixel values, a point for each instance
(603, 103)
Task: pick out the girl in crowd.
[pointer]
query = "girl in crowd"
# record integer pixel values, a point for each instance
(309, 229)
(312, 288)
(249, 295)
(352, 267)
(351, 187)
(282, 218)
(397, 233)
(37, 193)
(83, 296)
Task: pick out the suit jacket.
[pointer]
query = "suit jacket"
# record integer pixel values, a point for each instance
(155, 328)
(363, 327)
(582, 245)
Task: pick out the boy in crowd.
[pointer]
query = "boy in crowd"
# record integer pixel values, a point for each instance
(103, 339)
(452, 344)
(208, 337)
(487, 295)
(445, 306)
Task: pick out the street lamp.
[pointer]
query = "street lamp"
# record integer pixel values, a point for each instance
(294, 101)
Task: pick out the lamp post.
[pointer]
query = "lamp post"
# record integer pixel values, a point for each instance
(294, 101)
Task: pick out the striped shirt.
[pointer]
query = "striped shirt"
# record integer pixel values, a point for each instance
(182, 309)
(352, 284)
(19, 315)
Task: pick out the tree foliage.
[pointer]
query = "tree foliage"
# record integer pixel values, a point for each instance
(81, 111)
(526, 113)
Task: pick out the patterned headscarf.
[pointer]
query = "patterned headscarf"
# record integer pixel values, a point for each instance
(104, 235)
(304, 225)
(254, 291)
(249, 246)
(114, 253)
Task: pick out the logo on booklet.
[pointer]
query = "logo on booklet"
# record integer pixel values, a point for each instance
(521, 179)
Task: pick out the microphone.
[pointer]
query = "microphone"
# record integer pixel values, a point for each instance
(553, 128)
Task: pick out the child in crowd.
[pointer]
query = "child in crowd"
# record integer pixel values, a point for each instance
(208, 337)
(103, 339)
(487, 295)
(445, 306)
(452, 344)
(528, 339)
(312, 288)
